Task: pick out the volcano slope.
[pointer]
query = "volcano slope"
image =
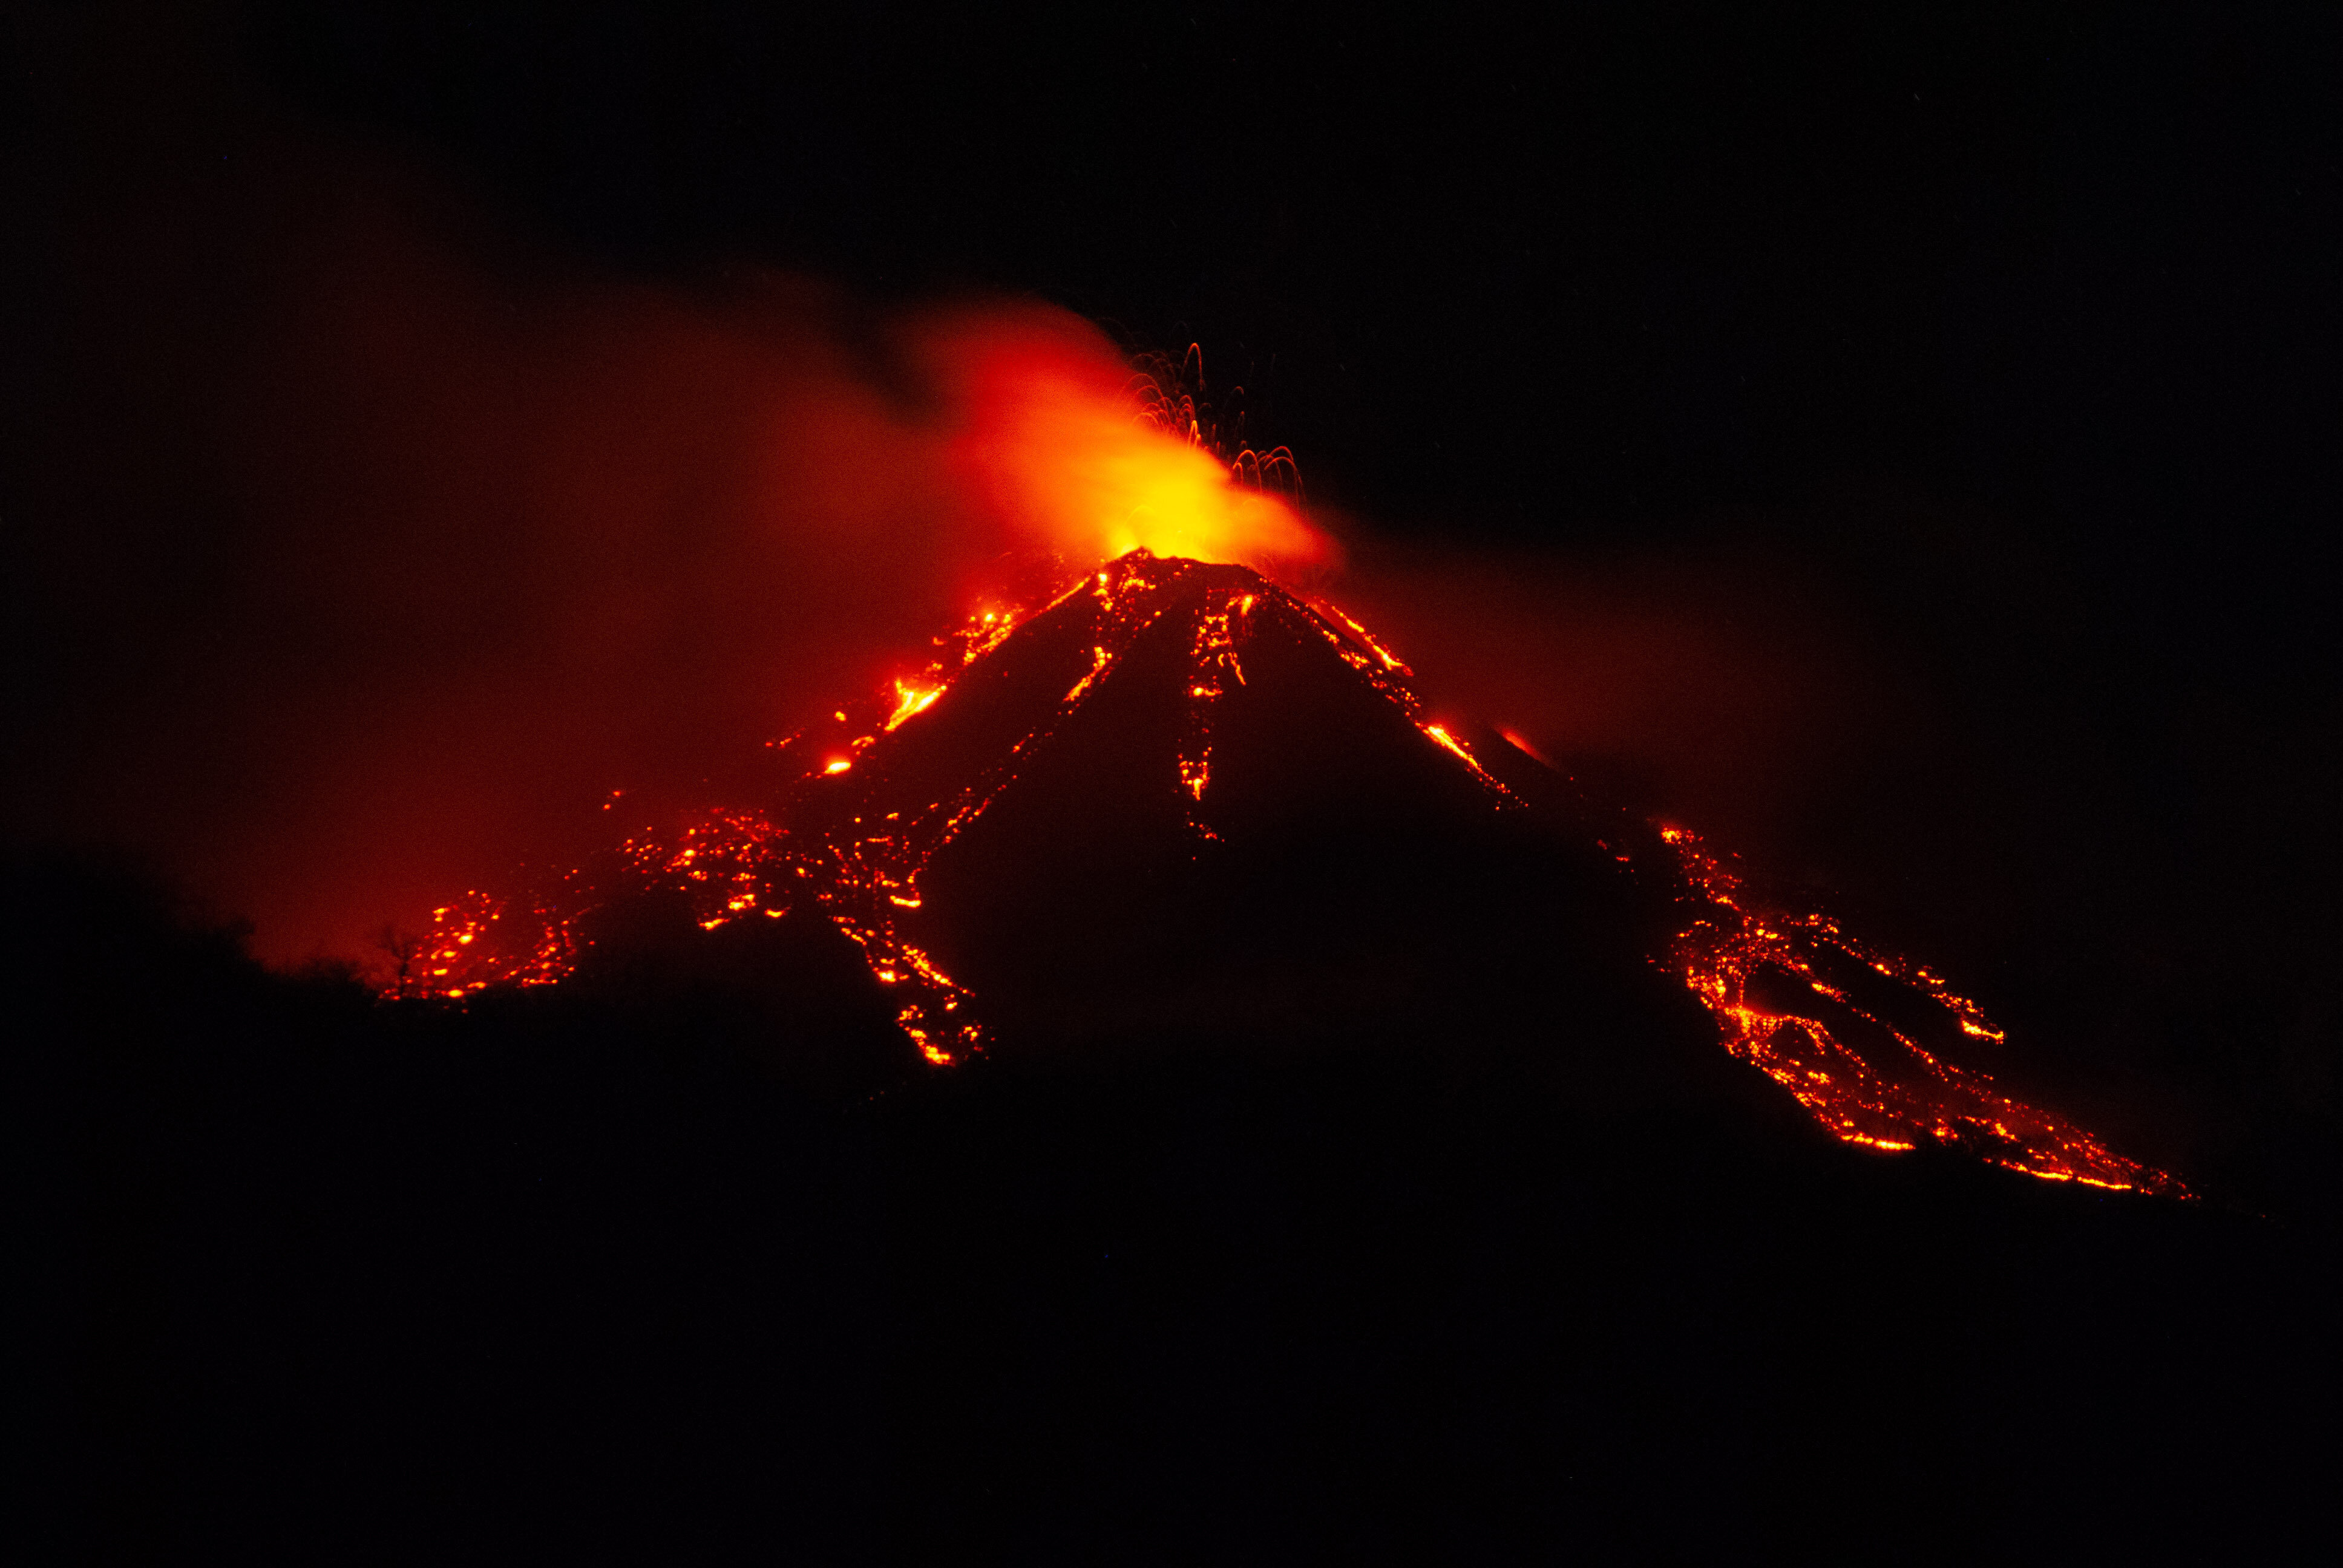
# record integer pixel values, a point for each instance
(1324, 1171)
(1124, 838)
(1180, 804)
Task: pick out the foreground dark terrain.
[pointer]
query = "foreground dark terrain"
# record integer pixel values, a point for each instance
(690, 1257)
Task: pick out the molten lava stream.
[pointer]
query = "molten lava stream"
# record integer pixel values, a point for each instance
(848, 845)
(1894, 1101)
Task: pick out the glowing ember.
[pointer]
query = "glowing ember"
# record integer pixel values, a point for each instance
(1366, 638)
(1522, 745)
(1449, 743)
(1220, 629)
(911, 699)
(473, 945)
(720, 860)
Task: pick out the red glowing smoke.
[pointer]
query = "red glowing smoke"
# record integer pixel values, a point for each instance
(443, 549)
(372, 553)
(1723, 692)
(1051, 446)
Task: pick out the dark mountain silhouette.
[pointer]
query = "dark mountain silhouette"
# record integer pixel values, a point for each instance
(1326, 1170)
(1180, 801)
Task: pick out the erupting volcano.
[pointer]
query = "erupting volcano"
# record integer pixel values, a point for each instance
(1179, 796)
(699, 871)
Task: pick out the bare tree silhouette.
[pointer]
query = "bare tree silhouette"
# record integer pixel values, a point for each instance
(401, 948)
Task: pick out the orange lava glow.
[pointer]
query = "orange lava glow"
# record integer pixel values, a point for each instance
(1521, 744)
(1098, 464)
(1827, 1018)
(863, 874)
(473, 945)
(1212, 664)
(1439, 735)
(1784, 988)
(911, 699)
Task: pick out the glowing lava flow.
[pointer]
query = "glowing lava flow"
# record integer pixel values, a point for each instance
(860, 868)
(1836, 1023)
(1782, 988)
(1213, 662)
(471, 946)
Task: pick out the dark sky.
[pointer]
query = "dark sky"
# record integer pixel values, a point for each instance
(1586, 275)
(1975, 365)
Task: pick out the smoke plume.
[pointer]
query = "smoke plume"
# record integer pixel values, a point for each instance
(361, 551)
